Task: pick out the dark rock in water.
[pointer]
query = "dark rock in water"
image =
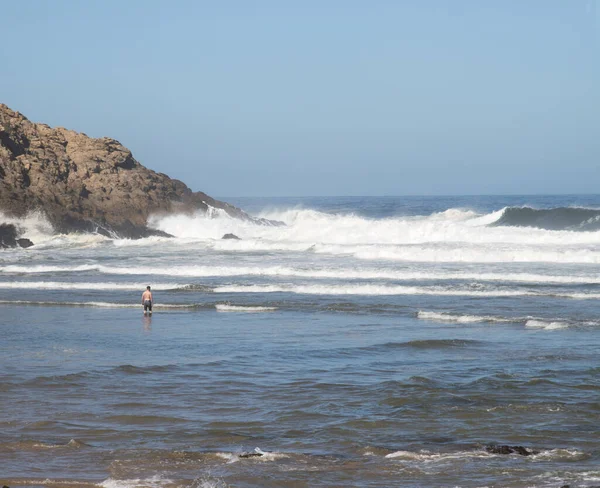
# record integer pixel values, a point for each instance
(250, 454)
(8, 235)
(24, 243)
(522, 451)
(89, 185)
(231, 236)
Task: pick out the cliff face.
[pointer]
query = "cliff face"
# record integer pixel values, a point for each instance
(85, 184)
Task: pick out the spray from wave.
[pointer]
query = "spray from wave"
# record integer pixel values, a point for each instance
(34, 226)
(453, 225)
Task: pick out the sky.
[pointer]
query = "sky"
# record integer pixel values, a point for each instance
(321, 97)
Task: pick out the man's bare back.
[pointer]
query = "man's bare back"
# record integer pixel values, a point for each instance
(147, 300)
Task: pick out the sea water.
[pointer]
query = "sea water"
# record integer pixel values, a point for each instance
(376, 342)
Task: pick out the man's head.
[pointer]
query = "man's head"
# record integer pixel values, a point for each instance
(148, 288)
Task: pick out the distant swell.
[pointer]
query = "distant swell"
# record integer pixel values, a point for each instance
(436, 343)
(561, 218)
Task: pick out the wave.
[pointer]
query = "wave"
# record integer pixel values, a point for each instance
(156, 481)
(424, 344)
(242, 308)
(546, 325)
(315, 273)
(145, 419)
(428, 456)
(443, 457)
(57, 285)
(157, 307)
(36, 445)
(382, 290)
(560, 218)
(38, 269)
(307, 227)
(220, 307)
(34, 226)
(256, 454)
(531, 322)
(130, 369)
(461, 319)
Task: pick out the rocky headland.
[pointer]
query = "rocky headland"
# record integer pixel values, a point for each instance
(83, 184)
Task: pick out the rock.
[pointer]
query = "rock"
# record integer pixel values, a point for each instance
(231, 236)
(494, 449)
(256, 453)
(24, 243)
(88, 185)
(250, 454)
(8, 235)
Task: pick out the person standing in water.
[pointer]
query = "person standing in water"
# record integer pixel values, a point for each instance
(147, 300)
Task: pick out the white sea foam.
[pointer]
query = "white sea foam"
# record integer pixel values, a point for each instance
(561, 455)
(57, 285)
(461, 319)
(258, 455)
(239, 308)
(311, 226)
(34, 226)
(454, 235)
(316, 273)
(388, 290)
(35, 269)
(450, 236)
(156, 481)
(547, 325)
(427, 456)
(158, 306)
(208, 481)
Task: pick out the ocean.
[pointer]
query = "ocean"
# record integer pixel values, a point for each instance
(368, 342)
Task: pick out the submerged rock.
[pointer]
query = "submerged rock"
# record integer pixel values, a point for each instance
(522, 451)
(250, 454)
(231, 236)
(258, 452)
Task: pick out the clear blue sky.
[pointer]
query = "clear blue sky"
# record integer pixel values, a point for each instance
(322, 97)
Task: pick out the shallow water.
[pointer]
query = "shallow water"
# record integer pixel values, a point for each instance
(349, 348)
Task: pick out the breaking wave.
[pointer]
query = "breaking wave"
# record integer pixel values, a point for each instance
(34, 226)
(222, 307)
(510, 234)
(427, 456)
(56, 285)
(530, 322)
(453, 225)
(461, 319)
(197, 271)
(545, 324)
(384, 290)
(159, 306)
